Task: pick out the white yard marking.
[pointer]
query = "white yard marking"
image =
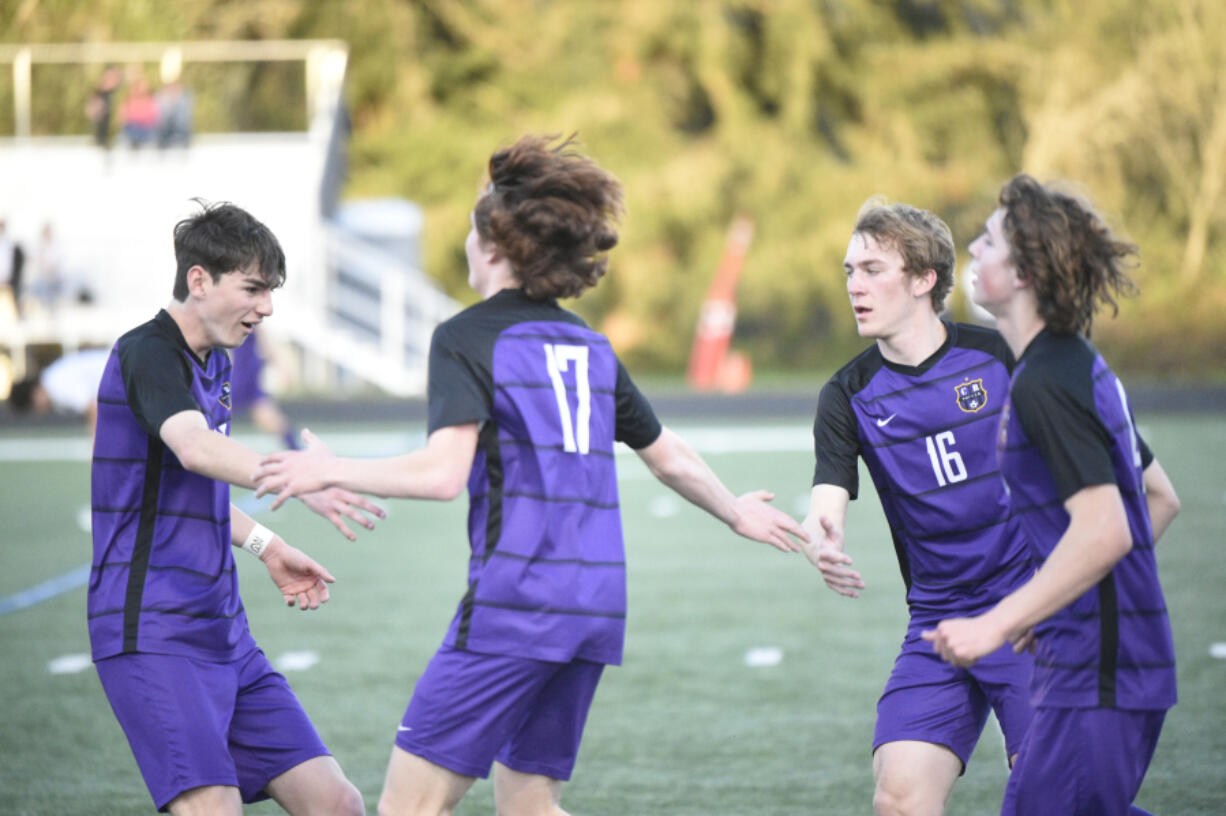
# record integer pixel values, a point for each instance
(760, 656)
(704, 439)
(1217, 650)
(297, 661)
(70, 664)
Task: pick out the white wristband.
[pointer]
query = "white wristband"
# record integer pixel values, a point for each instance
(258, 540)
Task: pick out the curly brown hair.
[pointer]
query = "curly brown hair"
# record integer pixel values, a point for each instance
(920, 237)
(551, 212)
(1064, 248)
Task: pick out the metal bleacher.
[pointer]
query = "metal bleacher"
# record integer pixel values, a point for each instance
(355, 313)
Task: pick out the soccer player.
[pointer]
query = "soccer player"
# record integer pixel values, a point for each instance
(211, 723)
(920, 406)
(525, 404)
(249, 396)
(1093, 501)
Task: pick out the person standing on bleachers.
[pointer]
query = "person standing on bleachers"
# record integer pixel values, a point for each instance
(101, 104)
(139, 114)
(174, 106)
(12, 260)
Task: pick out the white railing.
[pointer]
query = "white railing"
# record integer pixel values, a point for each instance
(377, 299)
(325, 62)
(349, 306)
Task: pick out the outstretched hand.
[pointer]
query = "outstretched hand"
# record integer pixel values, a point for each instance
(336, 504)
(760, 521)
(829, 557)
(301, 579)
(293, 473)
(304, 474)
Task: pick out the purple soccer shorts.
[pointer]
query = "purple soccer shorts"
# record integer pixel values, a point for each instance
(929, 700)
(1083, 761)
(469, 709)
(193, 723)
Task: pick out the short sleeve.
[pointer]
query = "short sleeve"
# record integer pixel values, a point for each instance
(156, 380)
(457, 393)
(1066, 430)
(637, 424)
(836, 440)
(1147, 455)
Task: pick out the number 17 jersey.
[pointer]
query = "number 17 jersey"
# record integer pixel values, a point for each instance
(927, 434)
(546, 574)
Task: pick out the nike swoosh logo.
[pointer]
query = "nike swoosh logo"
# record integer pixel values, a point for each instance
(403, 728)
(881, 423)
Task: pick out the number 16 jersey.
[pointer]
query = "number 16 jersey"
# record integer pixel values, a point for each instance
(546, 575)
(928, 436)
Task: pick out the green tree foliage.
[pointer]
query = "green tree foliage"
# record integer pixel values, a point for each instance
(792, 112)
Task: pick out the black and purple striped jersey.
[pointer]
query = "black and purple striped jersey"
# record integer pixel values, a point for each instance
(546, 575)
(1068, 427)
(927, 435)
(162, 578)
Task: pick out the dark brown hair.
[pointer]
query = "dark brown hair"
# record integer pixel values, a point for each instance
(1064, 248)
(551, 212)
(920, 237)
(224, 238)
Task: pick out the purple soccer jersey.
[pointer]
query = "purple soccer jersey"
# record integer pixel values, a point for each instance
(1067, 427)
(163, 577)
(546, 576)
(927, 435)
(247, 365)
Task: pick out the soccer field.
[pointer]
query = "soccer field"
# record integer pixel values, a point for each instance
(695, 723)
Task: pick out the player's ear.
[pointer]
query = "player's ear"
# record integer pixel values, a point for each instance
(492, 253)
(197, 277)
(922, 283)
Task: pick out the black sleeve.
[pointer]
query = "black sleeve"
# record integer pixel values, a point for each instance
(459, 391)
(836, 440)
(637, 424)
(157, 381)
(1147, 455)
(1059, 419)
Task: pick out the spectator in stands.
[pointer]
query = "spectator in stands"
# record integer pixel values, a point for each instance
(48, 286)
(12, 260)
(175, 107)
(140, 114)
(101, 104)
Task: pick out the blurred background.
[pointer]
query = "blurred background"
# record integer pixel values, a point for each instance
(747, 133)
(359, 130)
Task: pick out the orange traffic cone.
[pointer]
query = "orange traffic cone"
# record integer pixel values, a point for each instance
(711, 366)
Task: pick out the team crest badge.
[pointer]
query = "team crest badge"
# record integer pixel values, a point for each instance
(972, 396)
(224, 398)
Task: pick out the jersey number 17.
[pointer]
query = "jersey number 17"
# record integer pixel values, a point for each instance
(561, 359)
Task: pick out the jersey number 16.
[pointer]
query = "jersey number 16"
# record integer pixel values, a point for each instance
(946, 463)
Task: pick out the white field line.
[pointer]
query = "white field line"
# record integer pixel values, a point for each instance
(705, 439)
(710, 439)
